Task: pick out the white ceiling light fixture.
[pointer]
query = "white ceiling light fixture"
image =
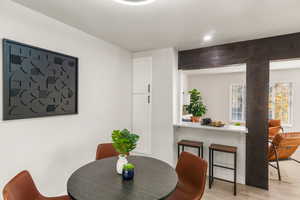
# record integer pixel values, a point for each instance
(207, 38)
(135, 2)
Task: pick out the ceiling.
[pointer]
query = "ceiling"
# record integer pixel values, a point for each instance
(174, 23)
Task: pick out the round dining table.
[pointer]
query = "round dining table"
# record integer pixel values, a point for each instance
(98, 180)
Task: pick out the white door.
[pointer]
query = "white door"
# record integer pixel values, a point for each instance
(142, 77)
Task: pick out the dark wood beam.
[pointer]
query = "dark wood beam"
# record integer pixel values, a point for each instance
(273, 48)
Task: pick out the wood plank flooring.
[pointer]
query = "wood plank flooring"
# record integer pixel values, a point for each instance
(287, 189)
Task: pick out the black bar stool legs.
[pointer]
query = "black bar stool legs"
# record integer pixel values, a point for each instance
(209, 172)
(211, 169)
(212, 149)
(224, 149)
(235, 168)
(192, 144)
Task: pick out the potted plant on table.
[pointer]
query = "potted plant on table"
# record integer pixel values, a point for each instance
(124, 142)
(128, 172)
(196, 106)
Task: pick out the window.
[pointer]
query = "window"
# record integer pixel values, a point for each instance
(280, 102)
(238, 103)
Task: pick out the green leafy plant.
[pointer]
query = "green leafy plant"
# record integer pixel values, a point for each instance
(124, 141)
(196, 106)
(237, 124)
(128, 167)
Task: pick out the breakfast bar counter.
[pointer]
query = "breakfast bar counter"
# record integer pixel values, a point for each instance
(227, 135)
(226, 128)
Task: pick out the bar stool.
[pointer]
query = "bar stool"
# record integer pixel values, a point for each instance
(192, 144)
(224, 149)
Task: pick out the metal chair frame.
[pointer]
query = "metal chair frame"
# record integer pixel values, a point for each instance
(278, 160)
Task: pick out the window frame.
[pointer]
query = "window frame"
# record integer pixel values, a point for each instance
(244, 105)
(291, 115)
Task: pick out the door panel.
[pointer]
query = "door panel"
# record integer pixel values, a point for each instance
(142, 68)
(141, 114)
(141, 125)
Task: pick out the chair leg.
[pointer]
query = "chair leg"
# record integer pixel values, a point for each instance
(277, 162)
(209, 176)
(202, 151)
(212, 166)
(235, 174)
(199, 151)
(278, 171)
(178, 150)
(295, 160)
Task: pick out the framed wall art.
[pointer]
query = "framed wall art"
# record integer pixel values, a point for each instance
(38, 82)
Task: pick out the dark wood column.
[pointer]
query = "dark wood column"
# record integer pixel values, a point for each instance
(257, 122)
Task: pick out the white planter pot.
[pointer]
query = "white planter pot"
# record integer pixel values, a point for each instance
(121, 162)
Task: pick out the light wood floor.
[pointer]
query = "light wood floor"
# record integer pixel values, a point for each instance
(287, 189)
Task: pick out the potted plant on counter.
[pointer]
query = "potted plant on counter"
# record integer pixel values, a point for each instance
(124, 142)
(196, 106)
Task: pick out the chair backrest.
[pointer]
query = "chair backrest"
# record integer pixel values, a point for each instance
(274, 131)
(105, 150)
(274, 127)
(191, 171)
(21, 187)
(274, 123)
(286, 144)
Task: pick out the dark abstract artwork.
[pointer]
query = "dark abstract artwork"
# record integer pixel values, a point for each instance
(37, 82)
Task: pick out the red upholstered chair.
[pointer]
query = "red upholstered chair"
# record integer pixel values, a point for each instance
(22, 187)
(274, 123)
(282, 148)
(106, 150)
(191, 171)
(274, 128)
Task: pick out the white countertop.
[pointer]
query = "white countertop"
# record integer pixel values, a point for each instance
(226, 128)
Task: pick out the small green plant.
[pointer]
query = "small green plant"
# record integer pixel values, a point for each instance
(237, 124)
(196, 106)
(124, 141)
(128, 167)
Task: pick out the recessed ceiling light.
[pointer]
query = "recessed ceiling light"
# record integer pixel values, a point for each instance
(207, 38)
(135, 2)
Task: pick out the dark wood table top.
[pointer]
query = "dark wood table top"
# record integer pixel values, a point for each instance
(98, 180)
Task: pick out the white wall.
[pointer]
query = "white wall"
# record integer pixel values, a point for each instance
(52, 148)
(291, 75)
(215, 91)
(163, 80)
